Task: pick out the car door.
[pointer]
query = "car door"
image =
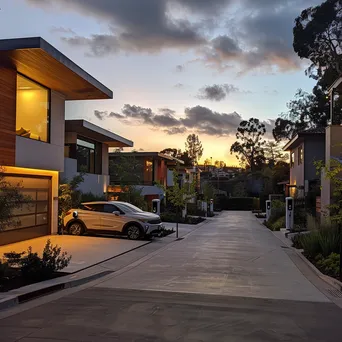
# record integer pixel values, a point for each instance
(91, 216)
(111, 221)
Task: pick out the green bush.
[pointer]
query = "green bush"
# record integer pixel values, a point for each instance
(297, 241)
(37, 268)
(3, 270)
(280, 223)
(329, 265)
(311, 244)
(321, 241)
(90, 197)
(278, 211)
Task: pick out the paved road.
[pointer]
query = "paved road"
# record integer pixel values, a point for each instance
(232, 255)
(229, 280)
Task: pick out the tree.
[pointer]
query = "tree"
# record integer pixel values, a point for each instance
(179, 194)
(11, 198)
(274, 153)
(69, 196)
(220, 164)
(177, 153)
(173, 152)
(305, 111)
(318, 37)
(127, 171)
(207, 163)
(249, 144)
(194, 148)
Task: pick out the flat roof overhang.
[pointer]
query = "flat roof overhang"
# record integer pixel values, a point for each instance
(93, 132)
(40, 61)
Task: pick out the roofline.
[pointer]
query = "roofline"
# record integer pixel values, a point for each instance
(336, 83)
(40, 43)
(147, 154)
(97, 129)
(300, 135)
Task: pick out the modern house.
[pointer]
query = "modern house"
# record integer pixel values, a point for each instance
(147, 171)
(87, 150)
(305, 148)
(35, 82)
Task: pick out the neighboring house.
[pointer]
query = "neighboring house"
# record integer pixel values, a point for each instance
(35, 81)
(148, 174)
(86, 150)
(305, 148)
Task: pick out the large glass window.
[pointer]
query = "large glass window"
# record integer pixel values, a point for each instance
(85, 156)
(32, 110)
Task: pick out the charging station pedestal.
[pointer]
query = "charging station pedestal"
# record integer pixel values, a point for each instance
(211, 207)
(156, 206)
(289, 214)
(268, 209)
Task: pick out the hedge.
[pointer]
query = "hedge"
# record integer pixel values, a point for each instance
(240, 203)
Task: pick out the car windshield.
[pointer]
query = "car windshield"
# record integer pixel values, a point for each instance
(127, 207)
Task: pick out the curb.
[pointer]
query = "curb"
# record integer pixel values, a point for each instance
(29, 295)
(329, 280)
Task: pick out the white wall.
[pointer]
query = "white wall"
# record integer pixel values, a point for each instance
(46, 156)
(96, 184)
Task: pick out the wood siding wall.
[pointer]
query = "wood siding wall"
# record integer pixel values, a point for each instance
(8, 90)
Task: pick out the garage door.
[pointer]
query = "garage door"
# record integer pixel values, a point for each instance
(32, 219)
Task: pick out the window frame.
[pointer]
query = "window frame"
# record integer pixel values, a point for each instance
(90, 141)
(48, 140)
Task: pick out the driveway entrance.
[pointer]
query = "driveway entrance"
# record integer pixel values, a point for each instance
(231, 255)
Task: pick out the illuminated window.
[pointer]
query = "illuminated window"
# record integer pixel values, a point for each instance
(32, 110)
(292, 158)
(300, 155)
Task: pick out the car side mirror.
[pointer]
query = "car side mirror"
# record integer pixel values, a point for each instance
(75, 214)
(116, 213)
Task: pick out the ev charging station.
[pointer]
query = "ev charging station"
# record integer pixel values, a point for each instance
(289, 213)
(268, 209)
(156, 206)
(211, 206)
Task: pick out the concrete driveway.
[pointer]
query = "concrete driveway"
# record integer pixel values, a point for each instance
(230, 255)
(86, 251)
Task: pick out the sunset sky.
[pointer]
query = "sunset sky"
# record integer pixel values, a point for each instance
(175, 66)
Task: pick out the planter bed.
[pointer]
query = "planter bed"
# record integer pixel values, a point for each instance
(15, 280)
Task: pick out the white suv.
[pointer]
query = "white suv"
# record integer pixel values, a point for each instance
(112, 217)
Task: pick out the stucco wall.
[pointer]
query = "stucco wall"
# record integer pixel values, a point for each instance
(96, 184)
(314, 150)
(46, 156)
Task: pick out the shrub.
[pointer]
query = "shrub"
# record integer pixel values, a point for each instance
(329, 265)
(280, 223)
(3, 270)
(35, 268)
(90, 197)
(329, 240)
(311, 244)
(278, 211)
(297, 241)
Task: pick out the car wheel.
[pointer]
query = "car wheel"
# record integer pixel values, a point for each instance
(133, 232)
(76, 228)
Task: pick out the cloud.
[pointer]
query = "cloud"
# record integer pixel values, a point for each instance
(179, 85)
(64, 30)
(217, 92)
(179, 68)
(253, 34)
(196, 119)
